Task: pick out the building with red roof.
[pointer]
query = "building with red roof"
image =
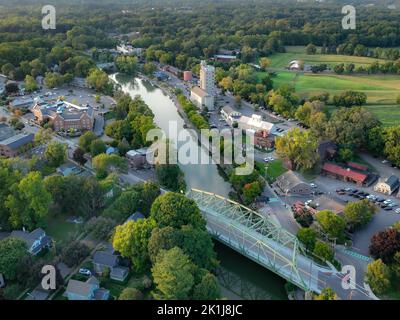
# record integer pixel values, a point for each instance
(345, 174)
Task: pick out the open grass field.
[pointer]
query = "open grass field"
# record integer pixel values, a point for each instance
(281, 60)
(388, 114)
(379, 89)
(60, 229)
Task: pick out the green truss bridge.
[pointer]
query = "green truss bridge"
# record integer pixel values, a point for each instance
(262, 240)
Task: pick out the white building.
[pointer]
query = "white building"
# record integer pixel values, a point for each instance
(207, 78)
(201, 98)
(204, 96)
(128, 49)
(230, 115)
(256, 123)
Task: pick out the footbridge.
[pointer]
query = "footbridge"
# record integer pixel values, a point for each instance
(264, 241)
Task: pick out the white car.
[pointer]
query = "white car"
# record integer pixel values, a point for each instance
(398, 211)
(388, 201)
(266, 160)
(307, 202)
(85, 272)
(313, 185)
(385, 161)
(270, 158)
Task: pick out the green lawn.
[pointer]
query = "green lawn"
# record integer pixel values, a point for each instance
(388, 114)
(281, 60)
(274, 169)
(59, 228)
(381, 91)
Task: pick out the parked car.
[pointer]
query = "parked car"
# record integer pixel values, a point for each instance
(398, 211)
(313, 185)
(85, 272)
(388, 208)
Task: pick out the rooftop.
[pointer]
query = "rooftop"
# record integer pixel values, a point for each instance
(64, 109)
(199, 92)
(17, 140)
(345, 172)
(256, 122)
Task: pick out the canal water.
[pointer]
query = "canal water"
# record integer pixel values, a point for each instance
(239, 277)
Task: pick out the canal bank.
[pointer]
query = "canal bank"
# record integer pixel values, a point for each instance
(238, 276)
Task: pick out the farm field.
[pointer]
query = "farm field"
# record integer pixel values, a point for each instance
(281, 60)
(379, 89)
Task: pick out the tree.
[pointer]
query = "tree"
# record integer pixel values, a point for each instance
(299, 147)
(127, 64)
(358, 214)
(264, 63)
(350, 127)
(175, 210)
(392, 144)
(103, 164)
(377, 276)
(327, 294)
(308, 237)
(131, 240)
(86, 140)
(30, 84)
(350, 98)
(331, 223)
(173, 275)
(131, 294)
(11, 87)
(79, 156)
(323, 251)
(74, 253)
(28, 202)
(170, 176)
(43, 136)
(149, 68)
(100, 227)
(12, 250)
(53, 80)
(311, 49)
(98, 79)
(163, 239)
(97, 147)
(385, 244)
(207, 289)
(56, 153)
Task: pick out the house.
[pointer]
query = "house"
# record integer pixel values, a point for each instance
(201, 98)
(291, 184)
(119, 273)
(230, 115)
(347, 174)
(161, 76)
(225, 58)
(88, 290)
(139, 158)
(36, 241)
(12, 142)
(103, 260)
(21, 103)
(388, 186)
(327, 150)
(256, 123)
(64, 115)
(264, 140)
(67, 170)
(135, 217)
(111, 150)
